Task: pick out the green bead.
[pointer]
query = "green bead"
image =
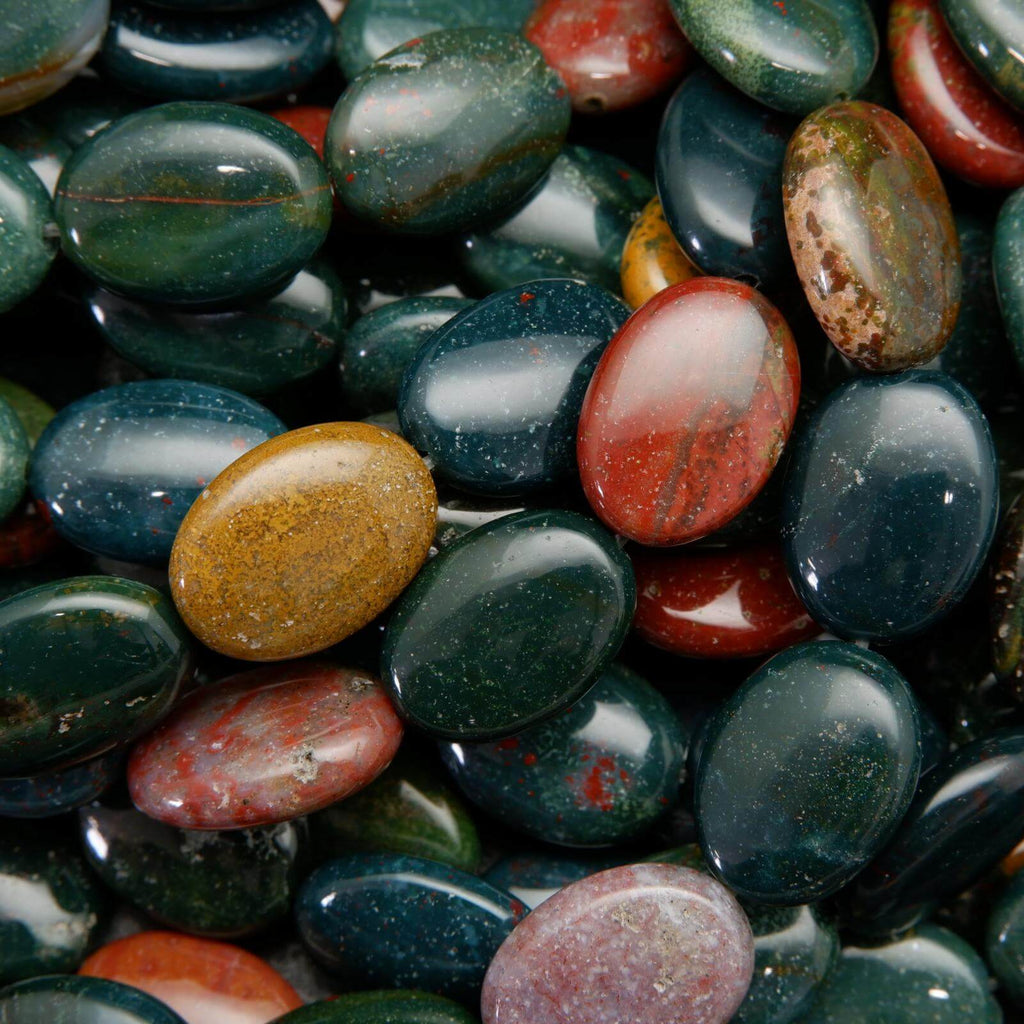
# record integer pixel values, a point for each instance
(14, 452)
(26, 250)
(991, 34)
(33, 412)
(400, 1006)
(1008, 264)
(57, 999)
(1004, 939)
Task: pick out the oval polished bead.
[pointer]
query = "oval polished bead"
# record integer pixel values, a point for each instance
(493, 396)
(26, 250)
(1007, 598)
(890, 504)
(386, 1006)
(193, 203)
(793, 58)
(651, 257)
(265, 746)
(446, 131)
(991, 34)
(89, 664)
(14, 459)
(118, 469)
(646, 943)
(968, 128)
(509, 625)
(600, 773)
(1008, 265)
(242, 57)
(872, 235)
(380, 920)
(688, 411)
(719, 174)
(56, 792)
(303, 541)
(806, 771)
(1004, 940)
(77, 1000)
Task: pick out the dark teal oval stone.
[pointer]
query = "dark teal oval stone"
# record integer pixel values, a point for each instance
(194, 203)
(404, 922)
(256, 349)
(381, 344)
(1004, 940)
(459, 514)
(15, 450)
(53, 793)
(395, 1006)
(508, 626)
(806, 771)
(51, 908)
(26, 246)
(78, 999)
(534, 877)
(446, 131)
(90, 664)
(1008, 264)
(574, 225)
(77, 114)
(890, 504)
(40, 147)
(991, 34)
(493, 397)
(119, 469)
(600, 773)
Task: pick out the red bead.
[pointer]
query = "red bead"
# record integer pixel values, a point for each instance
(309, 122)
(27, 537)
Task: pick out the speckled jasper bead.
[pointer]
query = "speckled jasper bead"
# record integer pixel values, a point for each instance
(26, 250)
(651, 257)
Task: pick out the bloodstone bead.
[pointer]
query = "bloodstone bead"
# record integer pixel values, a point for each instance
(51, 908)
(264, 746)
(732, 603)
(688, 411)
(310, 122)
(890, 504)
(991, 34)
(600, 773)
(792, 57)
(967, 127)
(647, 943)
(930, 976)
(651, 257)
(465, 657)
(612, 55)
(40, 147)
(401, 1006)
(74, 1000)
(89, 664)
(202, 980)
(872, 234)
(1004, 940)
(1008, 264)
(239, 57)
(26, 248)
(118, 469)
(806, 771)
(493, 397)
(534, 878)
(446, 131)
(381, 921)
(53, 793)
(193, 203)
(44, 44)
(1007, 598)
(574, 225)
(719, 173)
(14, 455)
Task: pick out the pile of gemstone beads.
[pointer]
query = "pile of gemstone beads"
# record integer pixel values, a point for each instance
(509, 511)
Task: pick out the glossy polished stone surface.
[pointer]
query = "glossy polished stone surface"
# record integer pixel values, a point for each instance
(574, 225)
(647, 943)
(991, 34)
(688, 411)
(872, 235)
(459, 514)
(890, 505)
(118, 469)
(56, 792)
(806, 771)
(1007, 598)
(1004, 940)
(14, 458)
(54, 39)
(303, 541)
(600, 773)
(404, 922)
(26, 215)
(792, 57)
(310, 122)
(265, 746)
(193, 203)
(719, 173)
(508, 625)
(968, 128)
(534, 878)
(38, 145)
(242, 57)
(1008, 264)
(77, 114)
(446, 131)
(90, 663)
(60, 999)
(401, 1006)
(493, 397)
(651, 257)
(202, 980)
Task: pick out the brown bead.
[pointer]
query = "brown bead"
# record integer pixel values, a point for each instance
(651, 258)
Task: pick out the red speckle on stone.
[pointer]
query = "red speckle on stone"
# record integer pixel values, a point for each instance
(201, 481)
(781, 4)
(166, 500)
(525, 297)
(663, 800)
(624, 775)
(594, 791)
(351, 176)
(381, 151)
(415, 42)
(511, 743)
(624, 175)
(239, 444)
(530, 760)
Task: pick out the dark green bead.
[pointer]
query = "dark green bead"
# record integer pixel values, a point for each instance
(53, 793)
(1008, 263)
(446, 131)
(89, 664)
(509, 625)
(78, 999)
(574, 225)
(78, 113)
(33, 412)
(1004, 940)
(402, 1006)
(193, 203)
(26, 247)
(991, 34)
(40, 147)
(459, 514)
(14, 454)
(1007, 601)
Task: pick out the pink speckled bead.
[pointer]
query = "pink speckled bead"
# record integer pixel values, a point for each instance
(645, 943)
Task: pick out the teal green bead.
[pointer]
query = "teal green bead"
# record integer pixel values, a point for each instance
(78, 113)
(193, 203)
(509, 625)
(1008, 264)
(53, 793)
(74, 999)
(14, 453)
(50, 908)
(381, 344)
(991, 34)
(90, 664)
(38, 145)
(388, 1006)
(793, 57)
(534, 878)
(26, 248)
(1004, 940)
(446, 131)
(929, 976)
(574, 225)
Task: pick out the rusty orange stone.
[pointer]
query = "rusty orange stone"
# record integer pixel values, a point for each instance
(651, 258)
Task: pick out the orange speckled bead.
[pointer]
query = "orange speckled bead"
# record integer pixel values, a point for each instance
(652, 258)
(302, 541)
